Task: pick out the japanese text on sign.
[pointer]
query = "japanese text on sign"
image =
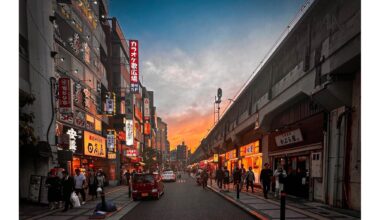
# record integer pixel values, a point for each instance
(134, 65)
(94, 145)
(289, 137)
(64, 94)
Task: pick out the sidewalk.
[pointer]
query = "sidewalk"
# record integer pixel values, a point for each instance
(296, 208)
(116, 194)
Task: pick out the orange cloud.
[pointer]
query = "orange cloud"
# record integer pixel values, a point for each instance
(190, 127)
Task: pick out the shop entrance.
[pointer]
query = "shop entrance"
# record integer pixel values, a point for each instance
(297, 169)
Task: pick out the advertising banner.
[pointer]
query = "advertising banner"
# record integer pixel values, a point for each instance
(111, 104)
(138, 114)
(64, 95)
(134, 65)
(216, 158)
(146, 128)
(146, 109)
(80, 118)
(94, 145)
(129, 132)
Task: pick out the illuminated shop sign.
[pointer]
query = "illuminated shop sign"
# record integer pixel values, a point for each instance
(131, 153)
(216, 158)
(71, 139)
(111, 104)
(134, 65)
(129, 132)
(111, 140)
(94, 145)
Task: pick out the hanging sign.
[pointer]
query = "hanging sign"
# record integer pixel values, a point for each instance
(111, 140)
(94, 145)
(134, 65)
(64, 95)
(129, 132)
(146, 109)
(131, 153)
(289, 137)
(216, 158)
(146, 128)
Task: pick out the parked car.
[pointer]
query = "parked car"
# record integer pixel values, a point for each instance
(169, 175)
(147, 185)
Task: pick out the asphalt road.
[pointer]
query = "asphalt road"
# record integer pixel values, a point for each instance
(186, 200)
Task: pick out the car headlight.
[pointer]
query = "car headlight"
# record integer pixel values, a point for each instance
(154, 190)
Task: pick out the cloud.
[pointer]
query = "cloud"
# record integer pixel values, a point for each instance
(185, 83)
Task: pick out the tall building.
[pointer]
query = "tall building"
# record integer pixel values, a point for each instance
(182, 154)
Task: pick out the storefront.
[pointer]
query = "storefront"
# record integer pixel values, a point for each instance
(250, 156)
(231, 160)
(298, 149)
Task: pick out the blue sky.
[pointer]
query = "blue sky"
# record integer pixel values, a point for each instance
(189, 48)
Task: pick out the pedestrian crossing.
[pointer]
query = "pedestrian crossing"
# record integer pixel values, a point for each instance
(181, 180)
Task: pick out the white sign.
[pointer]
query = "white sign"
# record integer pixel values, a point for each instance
(72, 143)
(109, 106)
(110, 141)
(289, 137)
(146, 109)
(129, 132)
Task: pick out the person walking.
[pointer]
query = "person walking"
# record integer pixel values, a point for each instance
(79, 185)
(219, 178)
(243, 176)
(54, 189)
(127, 177)
(265, 179)
(67, 188)
(237, 176)
(250, 179)
(280, 175)
(92, 185)
(101, 179)
(226, 179)
(204, 177)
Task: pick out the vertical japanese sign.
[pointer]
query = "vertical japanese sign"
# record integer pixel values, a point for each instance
(64, 95)
(111, 104)
(129, 132)
(111, 141)
(146, 109)
(134, 65)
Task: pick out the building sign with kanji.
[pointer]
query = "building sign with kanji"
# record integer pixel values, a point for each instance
(129, 132)
(134, 65)
(94, 145)
(64, 95)
(111, 140)
(131, 153)
(290, 137)
(146, 109)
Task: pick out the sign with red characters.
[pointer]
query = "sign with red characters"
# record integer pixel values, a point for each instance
(64, 95)
(134, 65)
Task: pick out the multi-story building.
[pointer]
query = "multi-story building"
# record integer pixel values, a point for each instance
(182, 154)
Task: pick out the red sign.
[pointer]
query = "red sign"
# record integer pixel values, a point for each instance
(146, 128)
(131, 153)
(121, 136)
(134, 65)
(64, 95)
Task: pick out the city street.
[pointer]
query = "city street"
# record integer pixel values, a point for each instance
(186, 200)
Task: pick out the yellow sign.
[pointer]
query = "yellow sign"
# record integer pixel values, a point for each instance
(98, 125)
(94, 145)
(111, 155)
(216, 158)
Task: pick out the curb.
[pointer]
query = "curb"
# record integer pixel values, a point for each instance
(249, 211)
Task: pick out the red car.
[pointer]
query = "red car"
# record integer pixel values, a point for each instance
(146, 185)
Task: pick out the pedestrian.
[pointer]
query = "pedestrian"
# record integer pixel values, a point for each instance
(243, 176)
(127, 177)
(67, 189)
(280, 175)
(265, 179)
(204, 177)
(54, 189)
(101, 179)
(92, 185)
(226, 179)
(79, 185)
(236, 176)
(250, 179)
(219, 178)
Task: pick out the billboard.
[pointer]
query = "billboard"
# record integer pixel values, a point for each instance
(131, 153)
(134, 65)
(129, 132)
(94, 145)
